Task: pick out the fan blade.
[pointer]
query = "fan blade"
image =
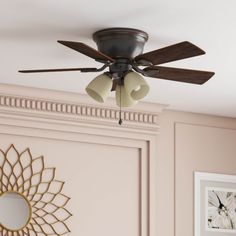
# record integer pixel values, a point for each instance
(177, 74)
(86, 50)
(59, 70)
(171, 53)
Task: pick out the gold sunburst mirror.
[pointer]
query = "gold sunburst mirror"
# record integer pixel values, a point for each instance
(31, 200)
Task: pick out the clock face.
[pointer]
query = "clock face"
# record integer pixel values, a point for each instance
(221, 209)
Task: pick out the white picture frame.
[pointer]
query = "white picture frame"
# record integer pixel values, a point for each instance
(205, 182)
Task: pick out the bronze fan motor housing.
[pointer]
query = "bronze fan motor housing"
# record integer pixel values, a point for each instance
(121, 44)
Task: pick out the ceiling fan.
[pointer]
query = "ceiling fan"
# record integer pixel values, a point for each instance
(121, 51)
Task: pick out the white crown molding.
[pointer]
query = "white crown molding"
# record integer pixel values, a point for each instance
(25, 101)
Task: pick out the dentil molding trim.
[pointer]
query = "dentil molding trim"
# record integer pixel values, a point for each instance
(49, 102)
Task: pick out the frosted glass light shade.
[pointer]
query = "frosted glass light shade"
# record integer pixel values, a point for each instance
(136, 86)
(99, 88)
(124, 100)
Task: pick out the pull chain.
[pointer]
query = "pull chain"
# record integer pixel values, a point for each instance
(120, 119)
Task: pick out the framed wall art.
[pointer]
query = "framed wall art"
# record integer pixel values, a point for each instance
(215, 204)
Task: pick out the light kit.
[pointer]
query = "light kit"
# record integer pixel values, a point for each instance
(129, 88)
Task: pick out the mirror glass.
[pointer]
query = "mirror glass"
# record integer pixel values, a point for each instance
(15, 211)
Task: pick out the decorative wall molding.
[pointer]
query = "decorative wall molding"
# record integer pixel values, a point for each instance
(60, 116)
(62, 104)
(75, 109)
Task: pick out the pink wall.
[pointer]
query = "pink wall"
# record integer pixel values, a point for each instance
(134, 180)
(189, 142)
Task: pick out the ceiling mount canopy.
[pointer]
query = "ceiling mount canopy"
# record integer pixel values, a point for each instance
(120, 42)
(120, 50)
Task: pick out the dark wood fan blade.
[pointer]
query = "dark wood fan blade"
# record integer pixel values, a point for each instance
(86, 50)
(171, 53)
(177, 74)
(59, 70)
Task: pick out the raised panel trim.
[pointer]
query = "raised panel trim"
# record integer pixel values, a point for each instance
(52, 114)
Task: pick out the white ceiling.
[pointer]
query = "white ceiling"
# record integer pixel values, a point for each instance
(29, 31)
